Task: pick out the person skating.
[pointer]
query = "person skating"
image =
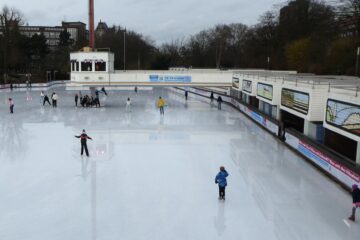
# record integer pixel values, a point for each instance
(161, 105)
(11, 105)
(54, 99)
(128, 105)
(76, 99)
(104, 91)
(46, 100)
(220, 179)
(219, 100)
(97, 101)
(83, 140)
(212, 97)
(42, 95)
(356, 201)
(186, 95)
(136, 89)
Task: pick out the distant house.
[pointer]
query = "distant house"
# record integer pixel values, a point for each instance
(101, 29)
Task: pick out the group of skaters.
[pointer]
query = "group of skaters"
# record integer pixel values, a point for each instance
(44, 98)
(219, 100)
(86, 100)
(89, 101)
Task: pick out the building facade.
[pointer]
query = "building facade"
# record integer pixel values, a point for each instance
(77, 31)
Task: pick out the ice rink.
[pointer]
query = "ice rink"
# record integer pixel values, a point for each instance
(152, 178)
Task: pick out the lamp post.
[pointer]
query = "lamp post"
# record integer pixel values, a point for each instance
(125, 50)
(357, 62)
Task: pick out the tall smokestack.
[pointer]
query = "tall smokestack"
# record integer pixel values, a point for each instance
(91, 25)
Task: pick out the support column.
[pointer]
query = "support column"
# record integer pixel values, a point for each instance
(358, 153)
(306, 128)
(261, 106)
(278, 112)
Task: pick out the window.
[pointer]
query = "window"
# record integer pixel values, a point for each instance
(100, 66)
(86, 66)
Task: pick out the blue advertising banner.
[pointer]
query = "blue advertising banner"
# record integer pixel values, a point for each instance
(171, 79)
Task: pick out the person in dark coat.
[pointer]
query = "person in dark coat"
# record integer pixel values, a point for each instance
(212, 96)
(356, 201)
(97, 101)
(83, 140)
(220, 179)
(219, 100)
(186, 95)
(11, 105)
(46, 100)
(104, 91)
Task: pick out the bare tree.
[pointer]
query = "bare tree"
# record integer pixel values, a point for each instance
(10, 19)
(349, 13)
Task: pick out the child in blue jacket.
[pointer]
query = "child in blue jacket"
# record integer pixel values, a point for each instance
(220, 179)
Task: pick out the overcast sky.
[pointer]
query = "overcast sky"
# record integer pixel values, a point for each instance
(161, 20)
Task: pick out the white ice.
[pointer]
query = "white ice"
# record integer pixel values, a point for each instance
(153, 178)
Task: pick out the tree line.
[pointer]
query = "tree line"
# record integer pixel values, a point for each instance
(303, 35)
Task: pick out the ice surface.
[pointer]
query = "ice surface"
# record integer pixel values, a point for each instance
(153, 178)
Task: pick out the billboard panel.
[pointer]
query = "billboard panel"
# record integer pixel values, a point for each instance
(247, 86)
(343, 115)
(236, 82)
(265, 91)
(298, 101)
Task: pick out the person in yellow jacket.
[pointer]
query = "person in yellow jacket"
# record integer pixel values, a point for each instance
(161, 105)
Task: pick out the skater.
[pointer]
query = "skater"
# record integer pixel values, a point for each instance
(76, 99)
(54, 99)
(97, 101)
(46, 100)
(212, 97)
(220, 179)
(83, 139)
(11, 105)
(42, 95)
(11, 86)
(136, 89)
(219, 100)
(186, 95)
(104, 91)
(356, 201)
(128, 105)
(161, 105)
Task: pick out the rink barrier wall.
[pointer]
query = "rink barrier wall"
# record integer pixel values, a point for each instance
(343, 171)
(338, 168)
(269, 124)
(36, 85)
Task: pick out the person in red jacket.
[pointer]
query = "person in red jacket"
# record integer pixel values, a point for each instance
(356, 201)
(83, 139)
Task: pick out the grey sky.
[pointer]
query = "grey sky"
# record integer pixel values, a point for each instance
(161, 20)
